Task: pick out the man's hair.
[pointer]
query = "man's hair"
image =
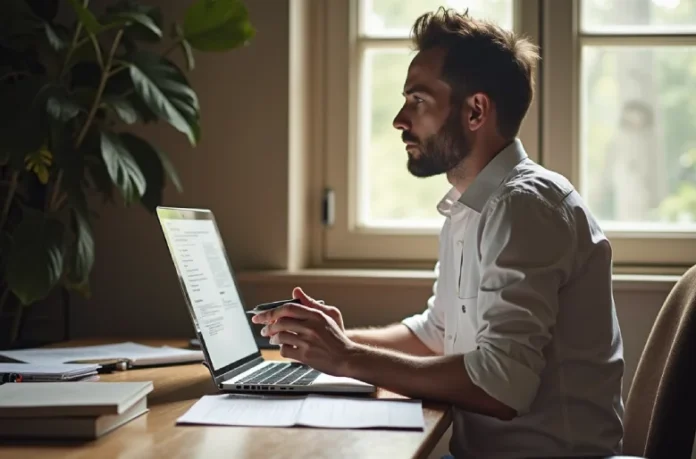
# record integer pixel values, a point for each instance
(482, 57)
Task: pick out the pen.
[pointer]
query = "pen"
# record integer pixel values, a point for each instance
(275, 304)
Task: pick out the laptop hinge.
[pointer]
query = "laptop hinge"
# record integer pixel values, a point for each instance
(237, 371)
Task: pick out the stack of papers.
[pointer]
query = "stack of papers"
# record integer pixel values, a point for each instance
(311, 411)
(50, 372)
(138, 355)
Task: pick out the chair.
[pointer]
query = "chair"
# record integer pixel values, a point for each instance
(660, 414)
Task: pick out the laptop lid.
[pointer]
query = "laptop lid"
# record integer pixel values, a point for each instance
(209, 287)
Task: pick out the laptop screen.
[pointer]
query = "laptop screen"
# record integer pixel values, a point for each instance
(206, 278)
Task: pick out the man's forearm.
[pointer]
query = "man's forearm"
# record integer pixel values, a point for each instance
(397, 337)
(442, 378)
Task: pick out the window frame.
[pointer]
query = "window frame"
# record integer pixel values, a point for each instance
(633, 251)
(553, 118)
(344, 241)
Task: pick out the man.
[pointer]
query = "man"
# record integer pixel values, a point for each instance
(521, 334)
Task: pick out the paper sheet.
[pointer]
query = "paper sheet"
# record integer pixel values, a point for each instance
(139, 354)
(311, 411)
(243, 411)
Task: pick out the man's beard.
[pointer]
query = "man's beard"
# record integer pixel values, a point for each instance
(440, 152)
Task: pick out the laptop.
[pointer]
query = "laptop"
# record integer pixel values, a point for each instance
(218, 314)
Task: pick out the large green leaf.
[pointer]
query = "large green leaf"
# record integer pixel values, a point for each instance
(122, 167)
(165, 90)
(178, 34)
(122, 108)
(35, 261)
(61, 105)
(130, 19)
(154, 164)
(217, 25)
(81, 254)
(143, 22)
(56, 37)
(120, 87)
(86, 18)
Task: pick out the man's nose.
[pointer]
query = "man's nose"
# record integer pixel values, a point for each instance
(401, 122)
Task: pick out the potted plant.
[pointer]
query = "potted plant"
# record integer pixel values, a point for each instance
(69, 92)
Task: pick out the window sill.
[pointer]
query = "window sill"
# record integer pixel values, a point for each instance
(413, 277)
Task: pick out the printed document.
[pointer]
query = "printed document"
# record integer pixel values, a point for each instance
(311, 411)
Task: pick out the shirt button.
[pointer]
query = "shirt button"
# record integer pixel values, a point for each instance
(449, 337)
(464, 309)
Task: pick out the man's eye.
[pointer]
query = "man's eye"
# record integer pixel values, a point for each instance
(417, 99)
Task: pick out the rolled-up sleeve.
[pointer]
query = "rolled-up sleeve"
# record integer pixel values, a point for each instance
(525, 249)
(429, 326)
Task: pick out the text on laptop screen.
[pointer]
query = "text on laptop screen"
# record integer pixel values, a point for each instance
(218, 310)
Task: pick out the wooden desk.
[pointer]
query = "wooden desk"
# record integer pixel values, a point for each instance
(176, 388)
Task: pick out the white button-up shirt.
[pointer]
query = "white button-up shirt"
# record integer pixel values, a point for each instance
(524, 293)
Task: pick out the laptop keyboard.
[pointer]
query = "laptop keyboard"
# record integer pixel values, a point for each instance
(296, 374)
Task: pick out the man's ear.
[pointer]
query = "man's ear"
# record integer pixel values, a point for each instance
(477, 110)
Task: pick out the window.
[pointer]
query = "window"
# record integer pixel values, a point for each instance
(382, 211)
(388, 196)
(631, 114)
(615, 112)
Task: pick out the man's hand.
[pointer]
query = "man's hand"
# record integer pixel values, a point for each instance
(306, 300)
(312, 336)
(307, 335)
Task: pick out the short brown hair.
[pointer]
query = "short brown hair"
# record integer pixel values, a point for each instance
(482, 57)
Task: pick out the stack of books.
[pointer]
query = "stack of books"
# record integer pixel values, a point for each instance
(69, 410)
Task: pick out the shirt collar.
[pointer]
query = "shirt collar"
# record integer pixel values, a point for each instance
(486, 182)
(490, 178)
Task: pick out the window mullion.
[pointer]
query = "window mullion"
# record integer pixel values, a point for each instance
(637, 40)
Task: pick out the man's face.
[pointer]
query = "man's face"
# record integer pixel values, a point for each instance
(431, 125)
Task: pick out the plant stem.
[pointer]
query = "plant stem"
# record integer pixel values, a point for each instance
(97, 50)
(100, 90)
(56, 190)
(71, 50)
(114, 72)
(14, 330)
(10, 197)
(174, 45)
(61, 200)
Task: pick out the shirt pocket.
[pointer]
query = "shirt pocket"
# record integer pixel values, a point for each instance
(467, 273)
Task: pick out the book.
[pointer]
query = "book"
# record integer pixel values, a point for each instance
(71, 427)
(31, 372)
(137, 355)
(70, 399)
